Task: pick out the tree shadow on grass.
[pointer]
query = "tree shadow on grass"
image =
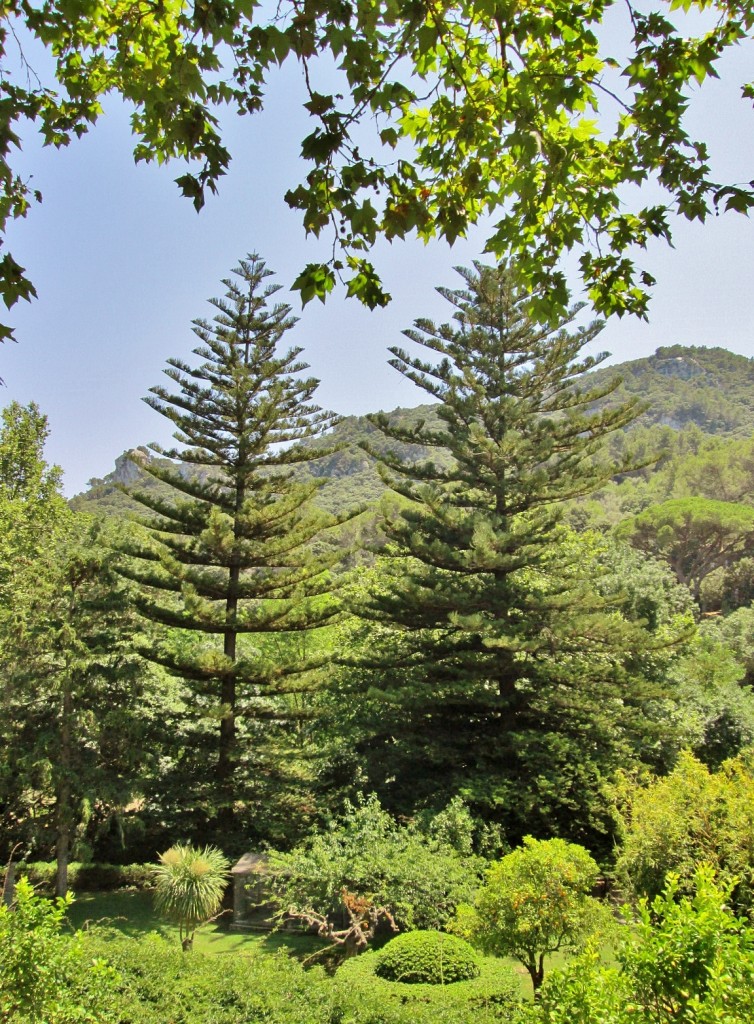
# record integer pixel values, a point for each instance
(125, 911)
(132, 913)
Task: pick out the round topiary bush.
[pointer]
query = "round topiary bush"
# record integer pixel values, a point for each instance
(427, 958)
(360, 996)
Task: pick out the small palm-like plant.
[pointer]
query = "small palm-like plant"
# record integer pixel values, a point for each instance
(189, 887)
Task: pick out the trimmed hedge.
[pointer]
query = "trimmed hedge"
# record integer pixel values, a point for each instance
(362, 997)
(427, 957)
(157, 983)
(87, 877)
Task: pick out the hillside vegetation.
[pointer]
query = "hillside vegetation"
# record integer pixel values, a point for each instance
(692, 395)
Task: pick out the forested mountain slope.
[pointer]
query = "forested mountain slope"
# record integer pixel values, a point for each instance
(709, 387)
(687, 390)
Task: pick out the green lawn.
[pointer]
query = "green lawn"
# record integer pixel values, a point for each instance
(132, 914)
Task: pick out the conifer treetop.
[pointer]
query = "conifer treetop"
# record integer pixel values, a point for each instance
(507, 380)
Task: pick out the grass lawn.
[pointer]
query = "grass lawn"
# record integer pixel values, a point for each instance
(132, 914)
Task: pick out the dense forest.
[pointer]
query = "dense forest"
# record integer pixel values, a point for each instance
(501, 617)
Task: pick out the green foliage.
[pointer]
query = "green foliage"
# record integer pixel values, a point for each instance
(46, 975)
(225, 559)
(737, 586)
(361, 996)
(31, 505)
(687, 960)
(29, 487)
(157, 983)
(711, 707)
(427, 958)
(736, 632)
(88, 877)
(694, 535)
(189, 887)
(672, 824)
(453, 827)
(646, 587)
(378, 870)
(585, 991)
(535, 901)
(493, 114)
(691, 959)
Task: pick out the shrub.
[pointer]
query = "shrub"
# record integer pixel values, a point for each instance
(431, 958)
(88, 877)
(378, 871)
(687, 960)
(46, 976)
(159, 984)
(692, 816)
(362, 997)
(690, 958)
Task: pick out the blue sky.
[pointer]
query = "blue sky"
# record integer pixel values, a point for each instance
(123, 264)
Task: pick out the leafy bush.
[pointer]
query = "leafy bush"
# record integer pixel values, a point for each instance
(46, 976)
(431, 958)
(362, 997)
(159, 984)
(687, 960)
(691, 816)
(376, 870)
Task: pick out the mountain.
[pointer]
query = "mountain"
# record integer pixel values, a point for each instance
(703, 389)
(350, 473)
(709, 387)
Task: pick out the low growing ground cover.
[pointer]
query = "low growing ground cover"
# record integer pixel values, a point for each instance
(155, 983)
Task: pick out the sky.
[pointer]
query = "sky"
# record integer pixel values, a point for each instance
(122, 264)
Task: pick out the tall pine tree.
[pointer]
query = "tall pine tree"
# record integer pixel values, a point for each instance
(499, 668)
(227, 552)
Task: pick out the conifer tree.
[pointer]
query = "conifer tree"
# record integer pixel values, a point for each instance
(73, 695)
(80, 695)
(226, 552)
(497, 661)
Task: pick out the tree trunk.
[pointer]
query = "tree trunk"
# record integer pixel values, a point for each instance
(63, 800)
(9, 885)
(226, 755)
(537, 974)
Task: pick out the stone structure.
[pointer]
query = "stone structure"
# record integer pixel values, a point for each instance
(252, 907)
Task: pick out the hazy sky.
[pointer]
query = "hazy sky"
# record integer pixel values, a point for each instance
(123, 264)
